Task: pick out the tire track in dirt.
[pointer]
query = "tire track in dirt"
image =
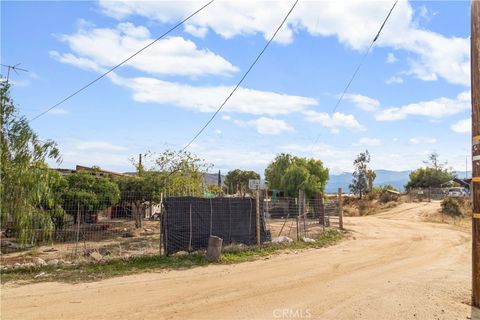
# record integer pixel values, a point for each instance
(393, 267)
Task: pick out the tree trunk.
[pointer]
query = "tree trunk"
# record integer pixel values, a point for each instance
(138, 215)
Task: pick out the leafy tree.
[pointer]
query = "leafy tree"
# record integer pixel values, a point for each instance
(371, 175)
(27, 186)
(433, 161)
(360, 181)
(214, 188)
(237, 180)
(173, 172)
(291, 174)
(429, 178)
(434, 175)
(86, 194)
(141, 192)
(275, 170)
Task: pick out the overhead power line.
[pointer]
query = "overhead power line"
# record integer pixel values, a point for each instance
(121, 63)
(377, 35)
(363, 58)
(241, 79)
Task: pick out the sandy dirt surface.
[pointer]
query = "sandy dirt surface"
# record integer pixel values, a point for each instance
(394, 267)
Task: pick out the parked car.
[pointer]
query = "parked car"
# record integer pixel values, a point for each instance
(458, 192)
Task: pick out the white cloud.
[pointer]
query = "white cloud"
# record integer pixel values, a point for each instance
(434, 54)
(79, 62)
(107, 155)
(338, 120)
(231, 156)
(208, 99)
(226, 117)
(462, 126)
(391, 58)
(422, 140)
(363, 102)
(265, 125)
(394, 80)
(97, 146)
(100, 48)
(371, 142)
(435, 109)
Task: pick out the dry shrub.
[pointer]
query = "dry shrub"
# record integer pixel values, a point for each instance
(456, 207)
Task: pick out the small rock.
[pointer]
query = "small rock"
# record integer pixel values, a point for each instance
(17, 265)
(96, 256)
(40, 262)
(41, 274)
(282, 239)
(53, 262)
(127, 233)
(181, 254)
(29, 265)
(308, 240)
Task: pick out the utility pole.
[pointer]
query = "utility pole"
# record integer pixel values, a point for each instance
(475, 83)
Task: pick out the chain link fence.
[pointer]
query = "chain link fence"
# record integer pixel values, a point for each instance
(427, 194)
(80, 227)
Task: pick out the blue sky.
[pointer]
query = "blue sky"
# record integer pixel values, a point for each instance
(410, 97)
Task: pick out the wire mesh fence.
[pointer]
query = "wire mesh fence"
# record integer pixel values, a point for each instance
(299, 218)
(138, 224)
(427, 194)
(75, 225)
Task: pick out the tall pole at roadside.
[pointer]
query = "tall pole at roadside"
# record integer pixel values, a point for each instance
(475, 83)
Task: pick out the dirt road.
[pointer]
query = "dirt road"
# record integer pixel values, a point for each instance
(394, 267)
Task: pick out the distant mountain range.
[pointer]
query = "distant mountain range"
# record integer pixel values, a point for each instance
(398, 179)
(212, 178)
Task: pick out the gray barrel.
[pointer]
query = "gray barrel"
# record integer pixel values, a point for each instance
(214, 249)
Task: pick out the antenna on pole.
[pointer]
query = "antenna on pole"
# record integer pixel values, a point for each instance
(14, 68)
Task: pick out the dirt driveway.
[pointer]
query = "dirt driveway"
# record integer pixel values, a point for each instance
(394, 267)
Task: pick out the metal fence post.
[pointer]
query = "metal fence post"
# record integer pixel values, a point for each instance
(340, 209)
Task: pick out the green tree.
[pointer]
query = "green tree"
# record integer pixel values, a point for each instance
(27, 186)
(237, 180)
(176, 172)
(434, 175)
(141, 192)
(429, 178)
(86, 194)
(291, 174)
(275, 170)
(371, 175)
(360, 180)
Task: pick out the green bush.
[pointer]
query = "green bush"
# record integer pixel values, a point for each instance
(453, 206)
(388, 197)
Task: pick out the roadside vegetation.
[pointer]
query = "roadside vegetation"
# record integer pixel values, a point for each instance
(369, 199)
(182, 260)
(457, 207)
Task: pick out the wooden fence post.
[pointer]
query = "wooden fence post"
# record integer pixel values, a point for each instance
(340, 209)
(321, 210)
(257, 217)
